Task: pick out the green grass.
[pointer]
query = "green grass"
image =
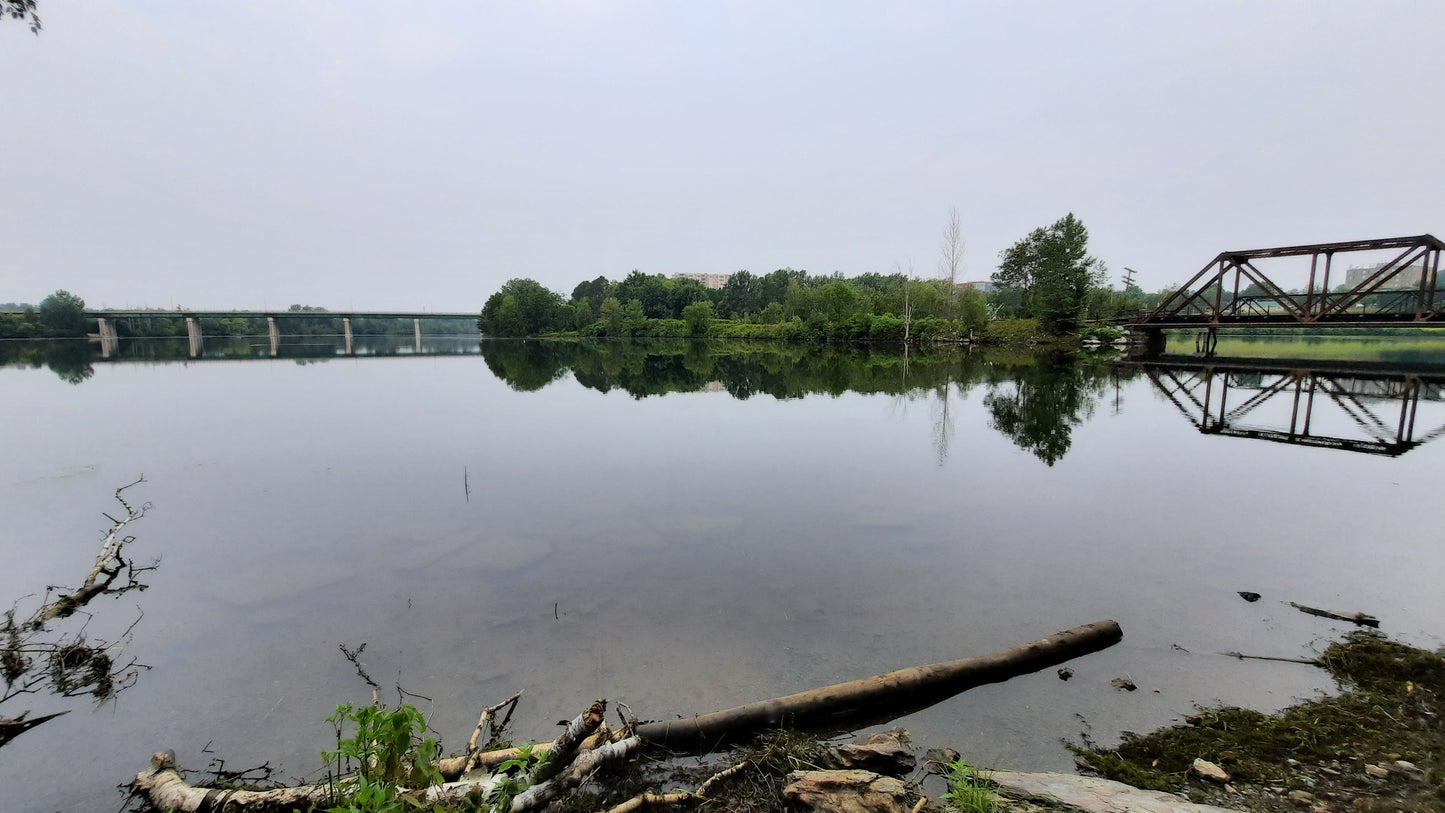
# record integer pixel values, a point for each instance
(969, 790)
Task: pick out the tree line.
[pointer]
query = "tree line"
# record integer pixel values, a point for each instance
(1047, 277)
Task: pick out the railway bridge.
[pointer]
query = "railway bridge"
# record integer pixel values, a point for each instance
(1232, 290)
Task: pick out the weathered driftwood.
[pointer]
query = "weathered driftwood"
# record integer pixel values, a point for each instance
(485, 722)
(108, 563)
(650, 798)
(909, 687)
(1358, 618)
(164, 788)
(567, 743)
(584, 746)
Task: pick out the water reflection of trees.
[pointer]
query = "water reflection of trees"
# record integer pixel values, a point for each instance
(1039, 404)
(70, 360)
(1033, 399)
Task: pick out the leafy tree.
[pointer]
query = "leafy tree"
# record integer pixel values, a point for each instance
(593, 291)
(650, 291)
(773, 286)
(743, 294)
(1052, 269)
(698, 316)
(634, 318)
(63, 314)
(839, 301)
(611, 316)
(582, 313)
(538, 310)
(972, 310)
(684, 292)
(509, 318)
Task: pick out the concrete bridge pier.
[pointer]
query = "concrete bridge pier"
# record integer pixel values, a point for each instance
(193, 332)
(109, 341)
(346, 328)
(275, 335)
(416, 327)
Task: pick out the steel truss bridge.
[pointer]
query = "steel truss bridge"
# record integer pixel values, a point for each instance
(1213, 297)
(1356, 408)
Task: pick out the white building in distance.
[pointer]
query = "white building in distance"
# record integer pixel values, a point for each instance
(1408, 277)
(714, 281)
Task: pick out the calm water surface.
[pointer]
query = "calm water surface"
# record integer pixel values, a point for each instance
(685, 527)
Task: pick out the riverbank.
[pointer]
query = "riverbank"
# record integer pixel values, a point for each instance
(1379, 745)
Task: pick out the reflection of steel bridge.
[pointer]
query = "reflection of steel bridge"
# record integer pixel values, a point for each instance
(1202, 393)
(1212, 298)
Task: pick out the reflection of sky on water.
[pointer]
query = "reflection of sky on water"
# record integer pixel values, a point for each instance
(700, 551)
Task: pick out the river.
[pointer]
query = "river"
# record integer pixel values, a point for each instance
(685, 527)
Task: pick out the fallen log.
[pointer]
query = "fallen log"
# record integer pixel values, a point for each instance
(578, 755)
(911, 689)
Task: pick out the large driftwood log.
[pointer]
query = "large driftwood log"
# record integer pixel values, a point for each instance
(913, 688)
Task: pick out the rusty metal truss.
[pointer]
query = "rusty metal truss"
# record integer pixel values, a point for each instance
(1213, 296)
(1287, 404)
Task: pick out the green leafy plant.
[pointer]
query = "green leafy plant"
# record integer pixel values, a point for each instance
(387, 753)
(1103, 333)
(513, 776)
(968, 789)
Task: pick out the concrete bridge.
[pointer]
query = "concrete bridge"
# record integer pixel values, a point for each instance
(106, 318)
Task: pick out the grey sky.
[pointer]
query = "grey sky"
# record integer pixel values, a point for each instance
(417, 155)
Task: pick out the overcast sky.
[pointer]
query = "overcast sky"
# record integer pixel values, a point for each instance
(416, 155)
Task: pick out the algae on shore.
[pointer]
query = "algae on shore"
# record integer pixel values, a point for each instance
(1379, 745)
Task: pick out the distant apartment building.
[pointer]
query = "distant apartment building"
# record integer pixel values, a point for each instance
(1408, 277)
(983, 286)
(714, 281)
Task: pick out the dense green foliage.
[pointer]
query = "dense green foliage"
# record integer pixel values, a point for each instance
(61, 315)
(783, 304)
(388, 752)
(1052, 273)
